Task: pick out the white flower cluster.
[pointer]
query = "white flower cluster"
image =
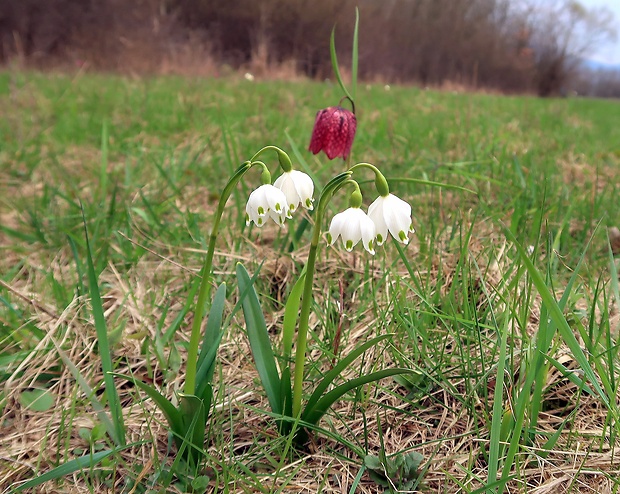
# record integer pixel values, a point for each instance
(387, 214)
(279, 200)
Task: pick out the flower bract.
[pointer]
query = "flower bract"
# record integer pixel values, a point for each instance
(393, 215)
(266, 202)
(298, 188)
(333, 132)
(353, 225)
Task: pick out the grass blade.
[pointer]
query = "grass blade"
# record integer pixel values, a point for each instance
(557, 320)
(37, 332)
(354, 54)
(338, 369)
(555, 313)
(191, 295)
(613, 271)
(498, 408)
(430, 183)
(24, 237)
(87, 390)
(82, 463)
(104, 345)
(334, 57)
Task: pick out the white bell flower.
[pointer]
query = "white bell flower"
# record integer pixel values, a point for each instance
(266, 202)
(389, 213)
(298, 188)
(352, 225)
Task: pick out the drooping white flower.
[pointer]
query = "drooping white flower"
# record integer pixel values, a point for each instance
(389, 213)
(266, 202)
(298, 188)
(352, 225)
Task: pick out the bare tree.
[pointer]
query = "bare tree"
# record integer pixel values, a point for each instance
(510, 45)
(602, 83)
(562, 32)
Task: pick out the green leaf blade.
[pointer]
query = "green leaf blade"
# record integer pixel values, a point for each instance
(172, 415)
(339, 368)
(75, 465)
(334, 57)
(313, 415)
(354, 53)
(291, 311)
(260, 343)
(104, 345)
(211, 341)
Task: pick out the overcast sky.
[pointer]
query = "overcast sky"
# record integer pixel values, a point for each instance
(609, 53)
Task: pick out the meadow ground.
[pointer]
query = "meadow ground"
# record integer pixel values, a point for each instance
(505, 302)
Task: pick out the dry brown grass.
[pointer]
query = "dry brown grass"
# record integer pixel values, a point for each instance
(438, 426)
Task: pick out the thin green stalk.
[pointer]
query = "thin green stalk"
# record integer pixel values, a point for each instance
(354, 53)
(302, 334)
(306, 298)
(335, 67)
(203, 295)
(283, 158)
(205, 284)
(380, 182)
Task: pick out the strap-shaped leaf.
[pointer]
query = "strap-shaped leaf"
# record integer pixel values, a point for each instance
(172, 415)
(314, 415)
(85, 462)
(334, 57)
(338, 369)
(286, 393)
(194, 418)
(291, 313)
(354, 53)
(211, 341)
(260, 343)
(118, 434)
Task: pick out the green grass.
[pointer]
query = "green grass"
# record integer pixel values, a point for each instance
(504, 304)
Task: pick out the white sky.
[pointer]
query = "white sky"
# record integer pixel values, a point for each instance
(610, 52)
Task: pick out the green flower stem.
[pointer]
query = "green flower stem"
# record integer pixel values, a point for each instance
(205, 285)
(350, 101)
(380, 182)
(306, 299)
(283, 158)
(265, 176)
(302, 334)
(355, 201)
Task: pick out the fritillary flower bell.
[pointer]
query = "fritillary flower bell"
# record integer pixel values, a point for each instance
(298, 188)
(393, 215)
(266, 202)
(333, 132)
(352, 225)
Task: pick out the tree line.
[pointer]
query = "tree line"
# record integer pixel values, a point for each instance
(507, 45)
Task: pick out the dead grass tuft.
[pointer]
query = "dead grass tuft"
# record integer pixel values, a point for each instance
(437, 425)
